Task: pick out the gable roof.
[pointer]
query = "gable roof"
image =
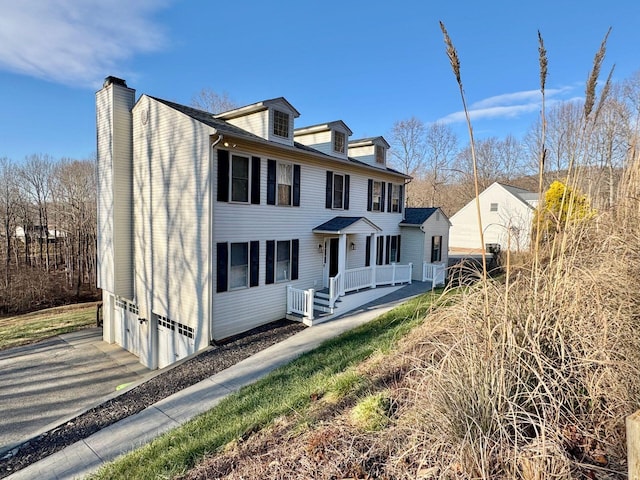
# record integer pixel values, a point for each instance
(321, 127)
(522, 194)
(340, 224)
(226, 128)
(417, 216)
(360, 142)
(257, 107)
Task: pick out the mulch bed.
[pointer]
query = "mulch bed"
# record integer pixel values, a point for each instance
(137, 399)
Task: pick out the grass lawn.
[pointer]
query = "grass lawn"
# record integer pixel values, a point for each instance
(289, 388)
(36, 326)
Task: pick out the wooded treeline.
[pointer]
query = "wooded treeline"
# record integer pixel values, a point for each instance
(48, 232)
(442, 167)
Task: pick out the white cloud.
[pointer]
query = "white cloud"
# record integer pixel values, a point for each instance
(75, 42)
(508, 105)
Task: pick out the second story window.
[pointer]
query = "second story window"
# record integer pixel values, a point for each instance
(280, 124)
(493, 207)
(285, 183)
(377, 197)
(339, 142)
(337, 192)
(395, 198)
(379, 154)
(239, 179)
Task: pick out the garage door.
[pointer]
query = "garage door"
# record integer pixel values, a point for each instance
(175, 341)
(127, 327)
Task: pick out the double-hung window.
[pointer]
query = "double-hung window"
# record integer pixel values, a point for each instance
(280, 124)
(337, 193)
(436, 248)
(285, 183)
(395, 198)
(239, 265)
(339, 142)
(377, 197)
(281, 264)
(239, 178)
(283, 260)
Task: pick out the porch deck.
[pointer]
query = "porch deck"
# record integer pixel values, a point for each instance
(354, 300)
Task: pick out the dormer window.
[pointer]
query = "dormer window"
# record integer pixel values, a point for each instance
(339, 142)
(280, 124)
(379, 154)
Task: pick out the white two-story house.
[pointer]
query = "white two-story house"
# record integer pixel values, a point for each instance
(210, 225)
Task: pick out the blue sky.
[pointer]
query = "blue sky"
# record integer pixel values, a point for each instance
(366, 63)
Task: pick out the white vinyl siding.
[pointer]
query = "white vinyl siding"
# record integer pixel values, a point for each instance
(501, 213)
(239, 310)
(172, 203)
(115, 272)
(256, 123)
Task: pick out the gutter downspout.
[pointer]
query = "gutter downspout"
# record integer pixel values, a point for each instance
(211, 260)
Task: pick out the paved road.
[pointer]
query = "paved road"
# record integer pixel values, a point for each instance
(43, 384)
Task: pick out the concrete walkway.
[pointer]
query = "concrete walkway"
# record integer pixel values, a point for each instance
(45, 384)
(88, 455)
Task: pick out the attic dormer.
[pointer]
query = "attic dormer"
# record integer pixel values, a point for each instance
(372, 151)
(269, 119)
(329, 138)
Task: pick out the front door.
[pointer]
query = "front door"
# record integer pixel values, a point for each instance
(334, 245)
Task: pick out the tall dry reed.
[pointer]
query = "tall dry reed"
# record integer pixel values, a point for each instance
(539, 388)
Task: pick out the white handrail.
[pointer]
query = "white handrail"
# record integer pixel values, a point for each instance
(434, 272)
(300, 301)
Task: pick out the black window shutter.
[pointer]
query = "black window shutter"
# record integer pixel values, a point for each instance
(401, 198)
(271, 182)
(369, 195)
(269, 267)
(382, 197)
(223, 176)
(388, 252)
(367, 252)
(347, 179)
(399, 238)
(295, 255)
(255, 180)
(296, 185)
(222, 253)
(389, 195)
(329, 193)
(254, 268)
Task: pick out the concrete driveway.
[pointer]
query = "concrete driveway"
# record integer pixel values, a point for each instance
(44, 384)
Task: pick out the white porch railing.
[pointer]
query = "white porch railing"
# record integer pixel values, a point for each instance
(335, 289)
(434, 273)
(358, 278)
(300, 301)
(365, 277)
(393, 274)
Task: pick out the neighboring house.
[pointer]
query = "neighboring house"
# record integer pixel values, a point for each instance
(210, 225)
(53, 235)
(425, 237)
(507, 217)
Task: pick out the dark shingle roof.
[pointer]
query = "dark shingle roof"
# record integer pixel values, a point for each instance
(226, 128)
(337, 224)
(417, 216)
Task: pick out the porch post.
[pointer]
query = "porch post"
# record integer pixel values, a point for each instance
(342, 261)
(372, 259)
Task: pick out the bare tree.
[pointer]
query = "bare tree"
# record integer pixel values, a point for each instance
(8, 201)
(212, 102)
(441, 146)
(408, 146)
(35, 177)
